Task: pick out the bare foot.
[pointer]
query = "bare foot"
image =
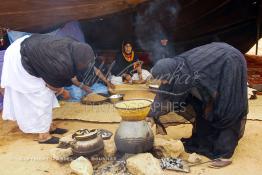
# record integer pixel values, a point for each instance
(44, 136)
(52, 127)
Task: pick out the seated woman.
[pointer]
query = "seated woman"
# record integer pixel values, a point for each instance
(94, 83)
(208, 85)
(127, 64)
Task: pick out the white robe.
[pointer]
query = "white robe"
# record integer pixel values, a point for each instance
(27, 100)
(145, 74)
(116, 80)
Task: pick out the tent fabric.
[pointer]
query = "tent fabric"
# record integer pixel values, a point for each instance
(186, 23)
(39, 16)
(14, 35)
(71, 29)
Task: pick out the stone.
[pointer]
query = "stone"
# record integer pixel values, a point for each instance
(194, 158)
(144, 164)
(66, 141)
(61, 155)
(81, 166)
(167, 147)
(110, 148)
(112, 168)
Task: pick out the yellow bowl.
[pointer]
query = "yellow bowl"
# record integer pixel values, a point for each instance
(133, 110)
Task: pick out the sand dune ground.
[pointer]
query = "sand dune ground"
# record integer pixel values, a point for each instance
(20, 154)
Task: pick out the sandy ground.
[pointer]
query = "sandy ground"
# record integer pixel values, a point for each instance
(20, 154)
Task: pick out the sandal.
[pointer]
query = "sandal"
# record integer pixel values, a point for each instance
(105, 134)
(59, 131)
(220, 163)
(52, 140)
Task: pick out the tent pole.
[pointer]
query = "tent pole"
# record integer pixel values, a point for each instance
(258, 24)
(258, 28)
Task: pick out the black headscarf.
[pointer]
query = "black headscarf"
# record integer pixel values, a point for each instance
(56, 59)
(178, 74)
(122, 63)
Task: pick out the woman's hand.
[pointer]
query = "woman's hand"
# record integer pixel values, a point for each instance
(137, 64)
(58, 91)
(139, 71)
(87, 89)
(81, 85)
(66, 95)
(127, 78)
(110, 85)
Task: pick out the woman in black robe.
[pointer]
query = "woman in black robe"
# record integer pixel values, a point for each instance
(127, 63)
(213, 80)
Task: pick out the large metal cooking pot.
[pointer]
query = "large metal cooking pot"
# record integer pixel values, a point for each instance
(87, 144)
(134, 137)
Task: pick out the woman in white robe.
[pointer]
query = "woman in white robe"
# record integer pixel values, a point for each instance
(29, 97)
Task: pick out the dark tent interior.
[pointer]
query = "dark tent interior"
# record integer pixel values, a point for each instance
(186, 23)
